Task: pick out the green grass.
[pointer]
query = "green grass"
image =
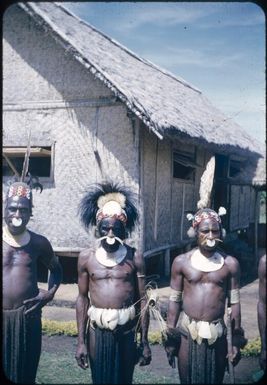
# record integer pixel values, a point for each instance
(61, 368)
(55, 368)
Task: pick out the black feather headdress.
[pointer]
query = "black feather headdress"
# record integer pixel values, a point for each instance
(98, 194)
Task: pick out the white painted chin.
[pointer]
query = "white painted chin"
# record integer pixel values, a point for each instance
(17, 222)
(210, 243)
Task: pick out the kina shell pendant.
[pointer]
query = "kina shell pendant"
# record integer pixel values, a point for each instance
(111, 259)
(202, 263)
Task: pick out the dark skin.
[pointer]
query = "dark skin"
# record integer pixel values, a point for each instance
(20, 286)
(204, 296)
(261, 308)
(110, 287)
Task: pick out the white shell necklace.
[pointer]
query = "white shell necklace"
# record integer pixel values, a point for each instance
(16, 240)
(111, 259)
(202, 263)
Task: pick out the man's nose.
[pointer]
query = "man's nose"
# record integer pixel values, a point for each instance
(110, 233)
(17, 213)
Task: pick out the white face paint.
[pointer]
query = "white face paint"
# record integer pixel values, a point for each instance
(16, 222)
(211, 242)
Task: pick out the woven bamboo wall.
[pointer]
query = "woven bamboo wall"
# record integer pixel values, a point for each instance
(40, 78)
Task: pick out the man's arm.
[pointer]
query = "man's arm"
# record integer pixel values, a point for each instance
(82, 306)
(174, 309)
(50, 260)
(144, 320)
(175, 300)
(261, 309)
(238, 339)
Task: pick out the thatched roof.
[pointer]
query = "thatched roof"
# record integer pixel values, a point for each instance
(168, 105)
(253, 173)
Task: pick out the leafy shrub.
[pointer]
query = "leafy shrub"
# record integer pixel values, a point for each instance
(51, 328)
(252, 348)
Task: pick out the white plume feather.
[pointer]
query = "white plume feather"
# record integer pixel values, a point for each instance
(206, 184)
(116, 196)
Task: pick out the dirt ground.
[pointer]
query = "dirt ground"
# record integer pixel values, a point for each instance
(245, 371)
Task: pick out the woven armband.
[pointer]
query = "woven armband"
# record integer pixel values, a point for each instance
(234, 296)
(176, 296)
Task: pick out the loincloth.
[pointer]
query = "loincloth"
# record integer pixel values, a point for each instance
(201, 329)
(115, 354)
(21, 344)
(204, 339)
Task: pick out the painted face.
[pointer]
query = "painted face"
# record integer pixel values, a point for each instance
(112, 232)
(208, 234)
(17, 214)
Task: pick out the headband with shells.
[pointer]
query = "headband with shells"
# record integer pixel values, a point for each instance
(203, 214)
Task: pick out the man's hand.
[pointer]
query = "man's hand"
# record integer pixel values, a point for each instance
(171, 345)
(145, 357)
(171, 352)
(239, 342)
(82, 356)
(43, 297)
(235, 357)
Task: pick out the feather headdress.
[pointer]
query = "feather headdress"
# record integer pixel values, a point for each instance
(206, 184)
(27, 182)
(24, 190)
(108, 199)
(203, 214)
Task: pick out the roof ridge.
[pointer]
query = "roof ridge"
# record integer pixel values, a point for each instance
(118, 44)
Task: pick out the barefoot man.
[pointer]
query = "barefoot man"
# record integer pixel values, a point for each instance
(111, 281)
(22, 300)
(201, 281)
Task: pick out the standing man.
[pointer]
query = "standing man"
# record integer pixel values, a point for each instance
(202, 280)
(262, 310)
(111, 303)
(22, 299)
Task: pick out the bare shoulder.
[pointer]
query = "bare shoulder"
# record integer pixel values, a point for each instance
(231, 262)
(182, 260)
(135, 254)
(40, 241)
(85, 255)
(262, 266)
(262, 261)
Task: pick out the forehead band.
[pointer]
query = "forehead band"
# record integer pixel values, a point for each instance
(121, 217)
(19, 191)
(205, 215)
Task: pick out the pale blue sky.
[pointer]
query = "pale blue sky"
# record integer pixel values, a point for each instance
(219, 47)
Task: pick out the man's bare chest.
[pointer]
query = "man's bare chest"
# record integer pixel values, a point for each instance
(18, 257)
(124, 271)
(194, 276)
